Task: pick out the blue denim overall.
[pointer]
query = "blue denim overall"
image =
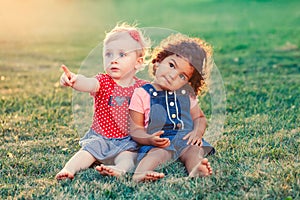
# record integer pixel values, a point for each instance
(170, 111)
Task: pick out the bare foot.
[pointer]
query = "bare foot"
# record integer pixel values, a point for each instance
(109, 171)
(64, 174)
(147, 176)
(202, 169)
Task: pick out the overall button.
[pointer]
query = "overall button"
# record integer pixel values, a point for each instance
(155, 94)
(183, 91)
(179, 125)
(173, 116)
(170, 93)
(172, 103)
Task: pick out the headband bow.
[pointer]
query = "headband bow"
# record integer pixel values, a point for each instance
(135, 35)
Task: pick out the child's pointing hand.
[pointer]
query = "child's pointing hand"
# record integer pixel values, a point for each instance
(67, 78)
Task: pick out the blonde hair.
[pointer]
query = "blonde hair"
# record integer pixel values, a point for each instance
(135, 33)
(195, 50)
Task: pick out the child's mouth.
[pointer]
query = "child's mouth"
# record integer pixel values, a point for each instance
(114, 69)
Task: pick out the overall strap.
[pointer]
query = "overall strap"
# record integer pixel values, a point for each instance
(149, 88)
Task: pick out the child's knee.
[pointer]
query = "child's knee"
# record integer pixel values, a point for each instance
(160, 154)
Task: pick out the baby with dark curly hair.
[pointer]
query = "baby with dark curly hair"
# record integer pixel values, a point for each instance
(165, 117)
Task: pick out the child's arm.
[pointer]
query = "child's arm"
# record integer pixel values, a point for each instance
(195, 136)
(78, 81)
(138, 133)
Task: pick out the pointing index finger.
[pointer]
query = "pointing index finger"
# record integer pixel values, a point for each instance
(67, 71)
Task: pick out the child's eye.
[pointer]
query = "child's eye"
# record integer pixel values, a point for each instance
(172, 65)
(122, 54)
(108, 54)
(182, 77)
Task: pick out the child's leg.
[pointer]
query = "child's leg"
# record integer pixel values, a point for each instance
(124, 162)
(195, 163)
(144, 170)
(81, 160)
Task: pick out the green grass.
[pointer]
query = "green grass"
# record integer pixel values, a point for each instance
(256, 50)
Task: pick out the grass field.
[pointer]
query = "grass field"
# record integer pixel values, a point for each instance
(257, 53)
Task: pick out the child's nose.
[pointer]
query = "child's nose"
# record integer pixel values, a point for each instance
(114, 61)
(173, 74)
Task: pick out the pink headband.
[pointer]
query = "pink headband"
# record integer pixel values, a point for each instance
(135, 35)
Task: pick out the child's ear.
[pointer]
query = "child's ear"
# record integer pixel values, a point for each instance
(155, 67)
(140, 60)
(139, 63)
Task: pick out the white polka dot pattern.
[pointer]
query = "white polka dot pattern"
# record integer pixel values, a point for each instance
(111, 104)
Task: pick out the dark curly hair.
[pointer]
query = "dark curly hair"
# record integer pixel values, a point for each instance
(196, 51)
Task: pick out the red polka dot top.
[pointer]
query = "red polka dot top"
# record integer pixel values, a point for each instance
(111, 104)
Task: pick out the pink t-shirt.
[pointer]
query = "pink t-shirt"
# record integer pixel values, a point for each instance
(111, 107)
(140, 102)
